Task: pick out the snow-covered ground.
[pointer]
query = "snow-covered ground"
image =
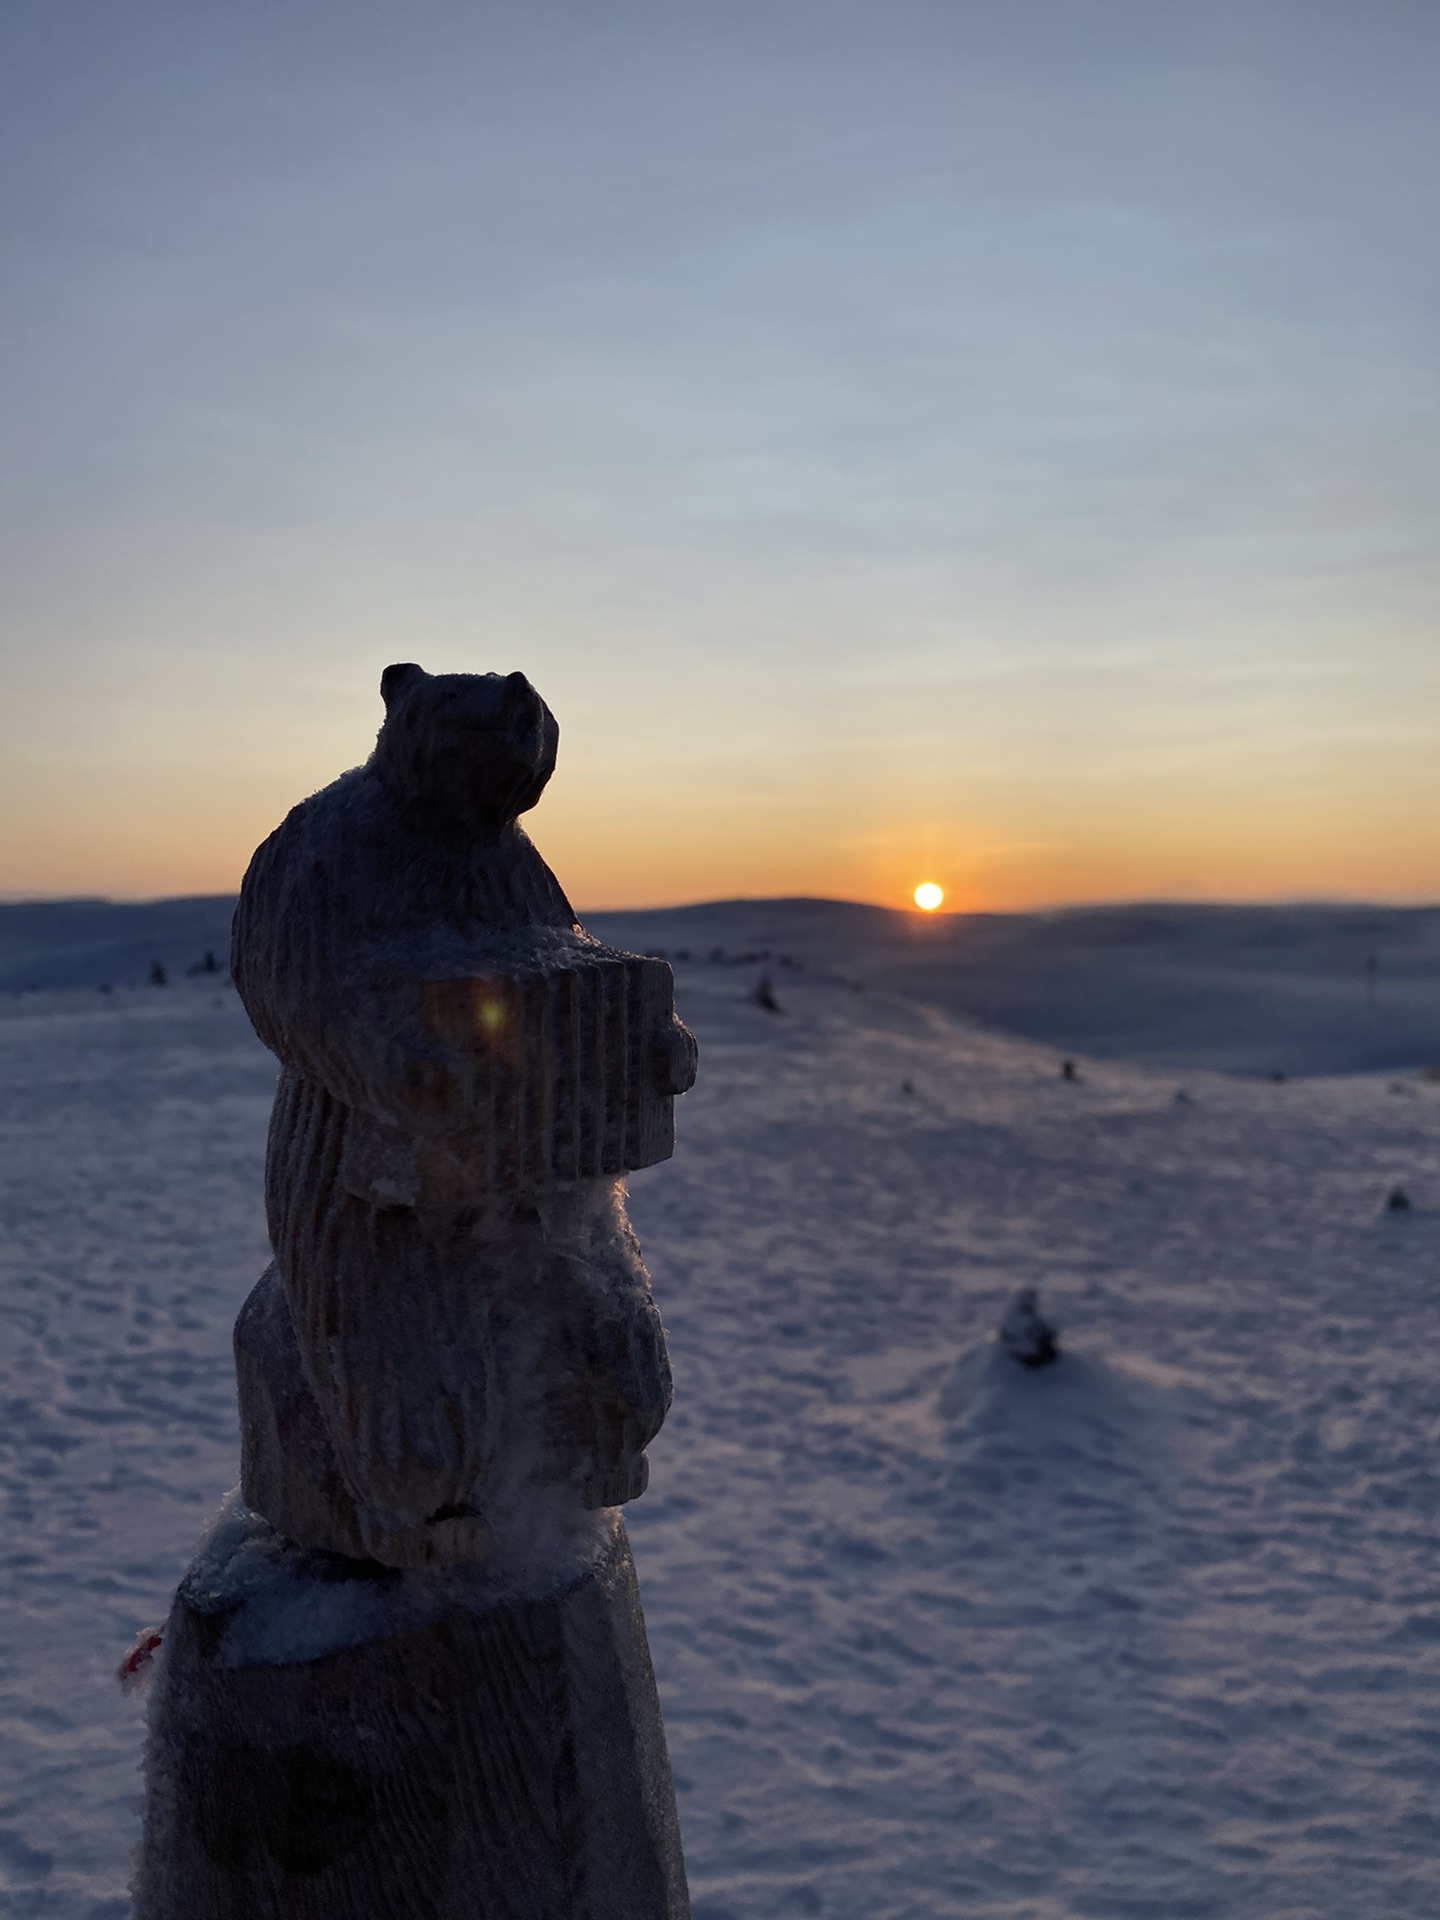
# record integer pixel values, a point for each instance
(1324, 988)
(1153, 1632)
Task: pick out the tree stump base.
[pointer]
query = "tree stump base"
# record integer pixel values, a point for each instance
(471, 1760)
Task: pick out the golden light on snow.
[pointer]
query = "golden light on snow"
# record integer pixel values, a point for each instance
(928, 896)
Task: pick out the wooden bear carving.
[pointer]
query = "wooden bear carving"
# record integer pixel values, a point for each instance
(457, 1335)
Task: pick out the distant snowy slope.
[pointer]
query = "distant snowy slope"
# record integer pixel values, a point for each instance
(92, 943)
(1253, 990)
(1153, 1632)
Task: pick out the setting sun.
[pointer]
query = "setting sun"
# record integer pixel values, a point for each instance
(928, 896)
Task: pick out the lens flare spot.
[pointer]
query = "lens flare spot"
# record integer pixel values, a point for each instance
(928, 896)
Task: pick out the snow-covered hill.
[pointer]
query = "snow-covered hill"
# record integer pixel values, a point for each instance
(1152, 1632)
(106, 943)
(1254, 990)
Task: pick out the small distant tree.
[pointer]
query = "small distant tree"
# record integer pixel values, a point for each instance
(764, 995)
(158, 976)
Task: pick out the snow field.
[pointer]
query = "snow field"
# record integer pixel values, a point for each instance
(1154, 1632)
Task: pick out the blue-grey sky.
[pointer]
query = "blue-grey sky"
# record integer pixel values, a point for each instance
(997, 445)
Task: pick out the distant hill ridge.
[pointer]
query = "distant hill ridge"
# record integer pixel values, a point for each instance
(92, 943)
(1308, 988)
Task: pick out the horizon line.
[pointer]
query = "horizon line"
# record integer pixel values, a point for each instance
(1101, 903)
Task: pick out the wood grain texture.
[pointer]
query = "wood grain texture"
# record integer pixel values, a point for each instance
(439, 989)
(449, 1375)
(411, 1369)
(502, 1765)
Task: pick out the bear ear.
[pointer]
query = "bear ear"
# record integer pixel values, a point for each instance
(522, 703)
(395, 680)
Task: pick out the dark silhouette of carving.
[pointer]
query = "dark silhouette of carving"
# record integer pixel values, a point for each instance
(449, 1374)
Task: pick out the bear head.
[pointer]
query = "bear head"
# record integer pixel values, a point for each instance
(466, 751)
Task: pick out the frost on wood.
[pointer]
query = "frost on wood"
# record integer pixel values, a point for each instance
(433, 1755)
(453, 1364)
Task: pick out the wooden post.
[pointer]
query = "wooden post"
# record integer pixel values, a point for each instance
(407, 1673)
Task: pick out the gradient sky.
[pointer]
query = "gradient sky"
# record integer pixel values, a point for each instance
(990, 444)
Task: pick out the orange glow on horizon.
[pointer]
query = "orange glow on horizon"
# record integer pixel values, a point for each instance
(620, 838)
